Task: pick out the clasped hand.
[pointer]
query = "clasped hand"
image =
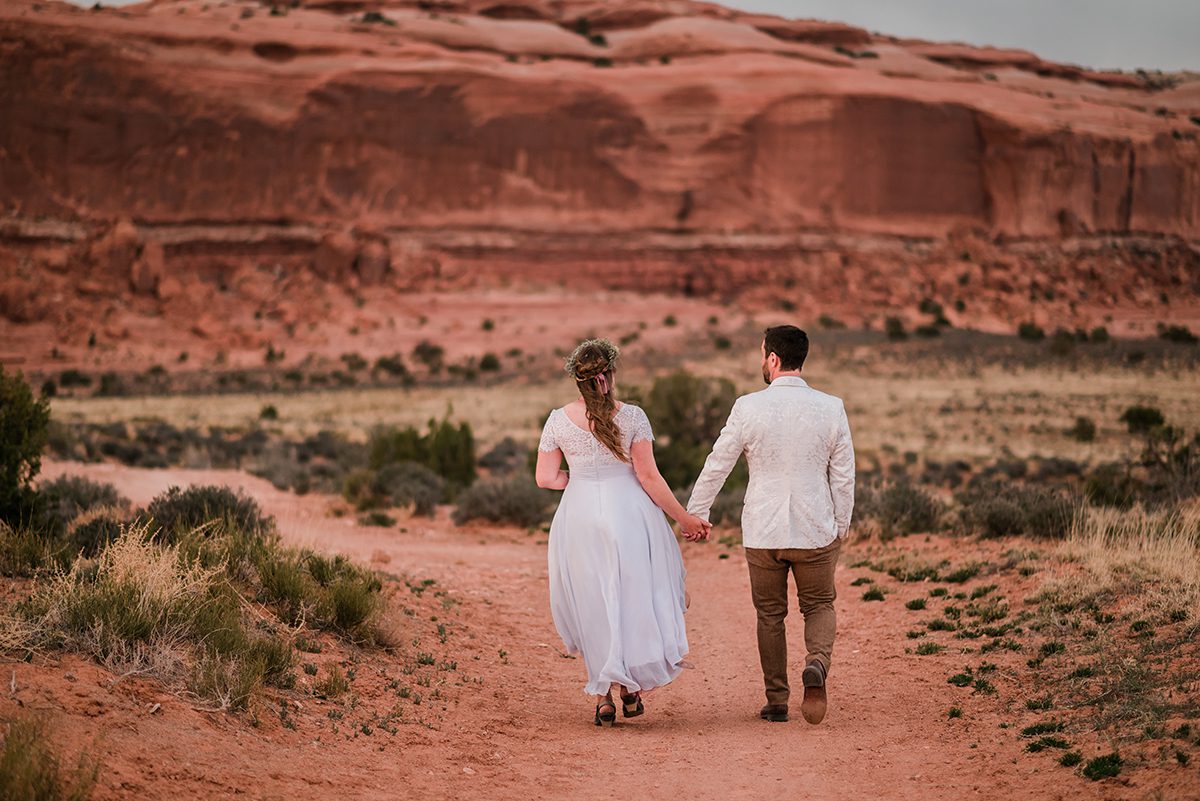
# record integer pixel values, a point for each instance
(695, 529)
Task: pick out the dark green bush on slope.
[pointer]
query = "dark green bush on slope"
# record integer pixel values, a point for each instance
(24, 423)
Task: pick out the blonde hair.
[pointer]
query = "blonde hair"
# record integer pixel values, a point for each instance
(592, 365)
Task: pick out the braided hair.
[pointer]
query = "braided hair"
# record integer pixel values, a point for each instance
(592, 365)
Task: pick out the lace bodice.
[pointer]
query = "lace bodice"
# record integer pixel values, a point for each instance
(582, 449)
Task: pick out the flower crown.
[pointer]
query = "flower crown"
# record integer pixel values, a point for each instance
(610, 351)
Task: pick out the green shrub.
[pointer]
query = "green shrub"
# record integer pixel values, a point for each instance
(392, 365)
(431, 355)
(74, 378)
(489, 363)
(927, 331)
(31, 771)
(1030, 332)
(335, 683)
(90, 532)
(180, 510)
(505, 457)
(894, 328)
(24, 551)
(1084, 430)
(901, 508)
(1112, 485)
(24, 425)
(60, 501)
(377, 17)
(515, 501)
(1102, 767)
(1001, 510)
(1179, 334)
(268, 412)
(688, 413)
(446, 449)
(409, 484)
(353, 601)
(1142, 419)
(353, 362)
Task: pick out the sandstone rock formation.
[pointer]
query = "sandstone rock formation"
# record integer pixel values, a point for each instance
(653, 144)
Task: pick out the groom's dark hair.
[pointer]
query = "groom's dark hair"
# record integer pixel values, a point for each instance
(787, 342)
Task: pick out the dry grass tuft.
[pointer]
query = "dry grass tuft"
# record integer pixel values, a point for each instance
(30, 770)
(1154, 555)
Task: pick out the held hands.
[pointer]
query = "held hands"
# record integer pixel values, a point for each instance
(695, 529)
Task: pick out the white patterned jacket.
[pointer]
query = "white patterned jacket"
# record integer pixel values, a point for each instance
(797, 445)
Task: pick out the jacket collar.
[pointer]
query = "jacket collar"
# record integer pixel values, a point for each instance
(789, 381)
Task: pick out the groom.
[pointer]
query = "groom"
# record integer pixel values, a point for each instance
(796, 514)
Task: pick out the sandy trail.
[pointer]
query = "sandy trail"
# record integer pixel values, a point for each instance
(525, 732)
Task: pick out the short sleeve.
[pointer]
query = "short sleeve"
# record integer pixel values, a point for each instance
(548, 442)
(641, 426)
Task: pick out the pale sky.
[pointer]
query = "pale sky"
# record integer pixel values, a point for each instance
(1122, 34)
(1152, 34)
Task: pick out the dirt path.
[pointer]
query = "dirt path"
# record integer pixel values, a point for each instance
(523, 731)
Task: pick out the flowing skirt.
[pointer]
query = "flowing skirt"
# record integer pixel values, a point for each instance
(617, 584)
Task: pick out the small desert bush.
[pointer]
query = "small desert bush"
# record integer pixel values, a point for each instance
(31, 771)
(688, 413)
(1141, 419)
(183, 510)
(61, 501)
(1001, 510)
(900, 508)
(1084, 430)
(515, 501)
(1179, 334)
(446, 449)
(334, 683)
(1112, 485)
(409, 484)
(505, 457)
(90, 532)
(24, 426)
(1031, 332)
(24, 551)
(430, 354)
(331, 593)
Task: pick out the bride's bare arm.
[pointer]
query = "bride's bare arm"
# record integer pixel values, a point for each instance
(550, 474)
(642, 454)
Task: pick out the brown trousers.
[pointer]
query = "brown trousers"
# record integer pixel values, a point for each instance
(813, 570)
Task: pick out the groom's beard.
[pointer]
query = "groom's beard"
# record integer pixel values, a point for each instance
(766, 376)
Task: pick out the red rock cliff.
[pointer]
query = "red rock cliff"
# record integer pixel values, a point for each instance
(571, 116)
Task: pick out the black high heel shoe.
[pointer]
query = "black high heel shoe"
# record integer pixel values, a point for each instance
(608, 718)
(631, 705)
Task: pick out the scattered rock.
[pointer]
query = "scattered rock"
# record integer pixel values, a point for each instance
(374, 262)
(114, 252)
(335, 256)
(148, 269)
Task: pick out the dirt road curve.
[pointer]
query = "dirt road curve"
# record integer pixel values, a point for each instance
(524, 732)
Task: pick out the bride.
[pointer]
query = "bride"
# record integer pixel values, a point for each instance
(616, 574)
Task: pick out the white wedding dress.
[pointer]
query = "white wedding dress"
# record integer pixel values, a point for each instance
(616, 574)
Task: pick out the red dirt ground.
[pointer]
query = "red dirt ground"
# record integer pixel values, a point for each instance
(518, 727)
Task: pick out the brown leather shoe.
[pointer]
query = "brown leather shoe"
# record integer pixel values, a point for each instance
(815, 700)
(776, 713)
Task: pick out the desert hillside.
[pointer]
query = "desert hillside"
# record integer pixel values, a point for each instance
(199, 161)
